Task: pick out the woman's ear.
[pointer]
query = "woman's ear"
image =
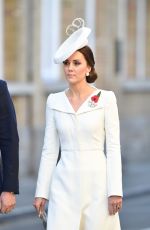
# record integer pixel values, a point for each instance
(88, 69)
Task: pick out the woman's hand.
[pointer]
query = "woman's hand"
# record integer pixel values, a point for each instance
(114, 204)
(39, 204)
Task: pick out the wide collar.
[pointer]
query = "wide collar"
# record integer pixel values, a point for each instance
(61, 103)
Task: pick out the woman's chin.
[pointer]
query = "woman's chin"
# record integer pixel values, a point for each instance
(71, 81)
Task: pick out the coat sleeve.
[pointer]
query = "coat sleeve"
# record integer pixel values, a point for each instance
(49, 153)
(9, 142)
(113, 150)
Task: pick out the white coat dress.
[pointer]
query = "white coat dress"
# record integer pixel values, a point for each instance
(79, 186)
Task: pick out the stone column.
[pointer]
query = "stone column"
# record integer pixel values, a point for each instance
(122, 37)
(90, 20)
(141, 39)
(50, 39)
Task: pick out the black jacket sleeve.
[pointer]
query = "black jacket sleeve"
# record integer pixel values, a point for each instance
(9, 142)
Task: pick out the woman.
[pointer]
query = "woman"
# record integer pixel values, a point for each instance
(84, 189)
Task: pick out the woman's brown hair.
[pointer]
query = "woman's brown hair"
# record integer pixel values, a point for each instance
(89, 57)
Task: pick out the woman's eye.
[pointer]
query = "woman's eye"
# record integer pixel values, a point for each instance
(77, 63)
(65, 62)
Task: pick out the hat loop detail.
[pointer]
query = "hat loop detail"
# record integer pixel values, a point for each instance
(77, 39)
(76, 24)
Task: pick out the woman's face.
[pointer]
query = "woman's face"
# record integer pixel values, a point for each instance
(75, 68)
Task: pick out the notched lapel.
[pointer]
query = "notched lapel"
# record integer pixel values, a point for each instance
(60, 103)
(86, 107)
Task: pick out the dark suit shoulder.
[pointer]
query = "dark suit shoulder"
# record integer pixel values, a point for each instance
(3, 86)
(3, 83)
(6, 104)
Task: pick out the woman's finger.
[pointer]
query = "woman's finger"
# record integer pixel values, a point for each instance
(39, 204)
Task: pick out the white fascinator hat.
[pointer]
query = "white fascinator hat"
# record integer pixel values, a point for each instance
(77, 39)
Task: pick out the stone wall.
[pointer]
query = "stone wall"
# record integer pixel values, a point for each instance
(22, 65)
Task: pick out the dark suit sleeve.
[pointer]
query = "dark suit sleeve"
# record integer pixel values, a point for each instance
(9, 142)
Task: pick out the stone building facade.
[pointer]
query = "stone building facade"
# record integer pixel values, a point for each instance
(30, 32)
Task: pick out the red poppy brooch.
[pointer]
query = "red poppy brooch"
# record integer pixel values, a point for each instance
(94, 100)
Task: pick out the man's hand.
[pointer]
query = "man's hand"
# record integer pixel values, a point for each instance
(114, 204)
(7, 202)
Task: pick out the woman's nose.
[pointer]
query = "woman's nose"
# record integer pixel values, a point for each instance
(70, 66)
